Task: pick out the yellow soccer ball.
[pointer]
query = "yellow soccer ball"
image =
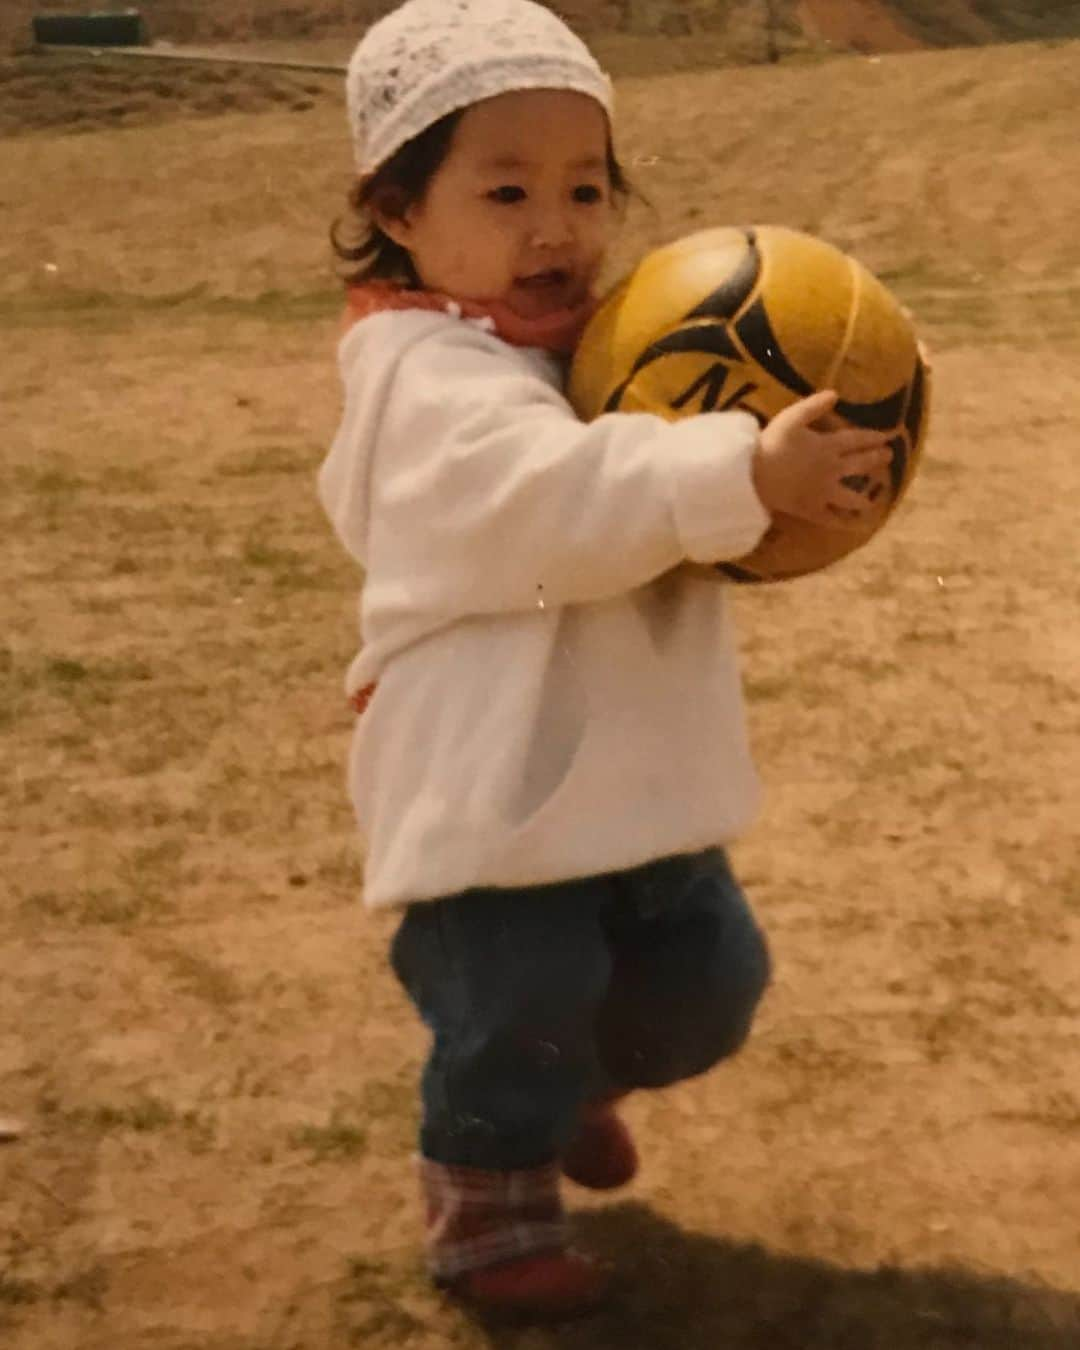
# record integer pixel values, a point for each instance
(756, 319)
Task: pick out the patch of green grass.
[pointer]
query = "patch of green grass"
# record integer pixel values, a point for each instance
(127, 478)
(913, 275)
(15, 1291)
(933, 466)
(342, 868)
(165, 741)
(766, 688)
(1011, 20)
(205, 979)
(926, 20)
(95, 813)
(388, 1098)
(76, 680)
(95, 905)
(141, 884)
(117, 311)
(1061, 1117)
(144, 1115)
(153, 810)
(52, 483)
(286, 568)
(64, 673)
(163, 854)
(370, 1304)
(153, 871)
(236, 821)
(138, 524)
(960, 312)
(258, 551)
(810, 685)
(871, 669)
(391, 1105)
(929, 637)
(838, 830)
(991, 311)
(48, 496)
(886, 763)
(105, 604)
(265, 460)
(87, 1287)
(338, 1138)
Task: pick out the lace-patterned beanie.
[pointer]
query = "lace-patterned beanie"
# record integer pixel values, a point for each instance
(429, 58)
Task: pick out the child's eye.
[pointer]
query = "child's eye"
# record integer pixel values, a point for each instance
(588, 194)
(507, 194)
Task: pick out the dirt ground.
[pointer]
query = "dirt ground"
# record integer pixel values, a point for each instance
(213, 1072)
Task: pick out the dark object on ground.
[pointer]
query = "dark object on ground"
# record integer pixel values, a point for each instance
(125, 29)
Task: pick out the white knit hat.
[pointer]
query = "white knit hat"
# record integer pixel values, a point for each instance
(432, 57)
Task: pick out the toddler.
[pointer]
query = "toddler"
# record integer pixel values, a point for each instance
(552, 752)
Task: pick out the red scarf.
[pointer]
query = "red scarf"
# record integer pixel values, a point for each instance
(558, 332)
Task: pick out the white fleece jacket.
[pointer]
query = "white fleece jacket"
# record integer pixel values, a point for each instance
(556, 696)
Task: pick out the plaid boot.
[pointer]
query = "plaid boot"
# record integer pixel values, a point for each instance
(498, 1239)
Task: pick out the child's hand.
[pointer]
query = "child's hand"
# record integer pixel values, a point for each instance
(808, 459)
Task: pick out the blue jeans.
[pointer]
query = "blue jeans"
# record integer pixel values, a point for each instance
(544, 998)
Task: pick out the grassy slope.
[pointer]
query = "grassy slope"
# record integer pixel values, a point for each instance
(888, 159)
(949, 22)
(735, 28)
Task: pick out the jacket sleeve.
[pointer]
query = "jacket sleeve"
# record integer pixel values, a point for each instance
(487, 494)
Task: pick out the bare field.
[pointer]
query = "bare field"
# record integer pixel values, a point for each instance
(213, 1067)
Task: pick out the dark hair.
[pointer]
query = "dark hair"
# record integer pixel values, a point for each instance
(366, 253)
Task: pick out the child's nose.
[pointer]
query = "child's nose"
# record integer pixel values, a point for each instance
(551, 228)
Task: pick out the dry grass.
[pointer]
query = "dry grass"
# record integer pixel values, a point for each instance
(67, 91)
(216, 1071)
(692, 32)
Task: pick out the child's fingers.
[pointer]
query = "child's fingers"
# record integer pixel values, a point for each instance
(806, 412)
(839, 514)
(830, 421)
(840, 518)
(858, 500)
(867, 472)
(856, 441)
(857, 492)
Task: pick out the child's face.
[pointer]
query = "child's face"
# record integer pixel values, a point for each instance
(520, 210)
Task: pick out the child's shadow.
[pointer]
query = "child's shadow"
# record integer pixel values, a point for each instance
(687, 1291)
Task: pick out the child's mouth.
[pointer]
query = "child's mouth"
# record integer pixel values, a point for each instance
(552, 279)
(546, 292)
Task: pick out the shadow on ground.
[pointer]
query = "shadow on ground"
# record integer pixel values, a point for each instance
(687, 1291)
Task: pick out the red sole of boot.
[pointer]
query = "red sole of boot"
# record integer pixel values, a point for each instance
(542, 1288)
